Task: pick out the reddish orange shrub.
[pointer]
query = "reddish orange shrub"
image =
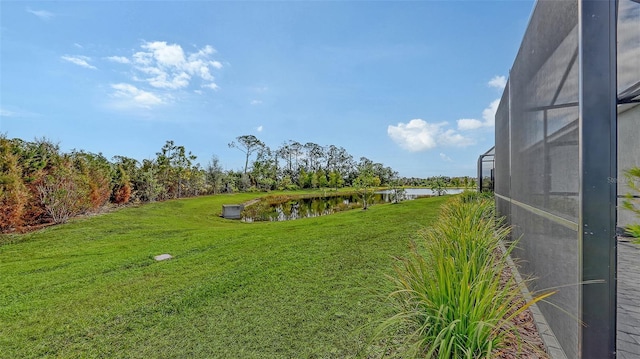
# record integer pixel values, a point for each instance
(99, 192)
(13, 198)
(13, 193)
(34, 211)
(122, 194)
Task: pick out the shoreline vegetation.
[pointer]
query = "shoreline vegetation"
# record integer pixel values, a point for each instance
(90, 287)
(40, 184)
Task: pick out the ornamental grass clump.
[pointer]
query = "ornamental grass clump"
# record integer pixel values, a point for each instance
(451, 301)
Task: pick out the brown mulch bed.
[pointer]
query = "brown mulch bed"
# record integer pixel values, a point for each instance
(526, 343)
(529, 345)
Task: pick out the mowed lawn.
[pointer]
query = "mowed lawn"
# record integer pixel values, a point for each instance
(309, 288)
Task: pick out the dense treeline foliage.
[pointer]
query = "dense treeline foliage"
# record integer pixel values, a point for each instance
(39, 184)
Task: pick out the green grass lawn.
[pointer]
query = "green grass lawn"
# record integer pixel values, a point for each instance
(297, 289)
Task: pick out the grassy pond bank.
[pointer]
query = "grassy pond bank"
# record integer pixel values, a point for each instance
(303, 288)
(430, 275)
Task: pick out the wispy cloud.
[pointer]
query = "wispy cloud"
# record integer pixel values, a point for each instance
(16, 113)
(119, 59)
(127, 96)
(259, 128)
(445, 158)
(6, 113)
(79, 60)
(418, 135)
(212, 86)
(42, 14)
(499, 82)
(256, 102)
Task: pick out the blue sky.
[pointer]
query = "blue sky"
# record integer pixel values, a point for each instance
(410, 84)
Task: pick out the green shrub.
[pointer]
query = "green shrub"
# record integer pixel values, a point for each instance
(633, 230)
(452, 297)
(64, 193)
(630, 203)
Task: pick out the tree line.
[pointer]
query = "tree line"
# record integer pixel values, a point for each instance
(39, 184)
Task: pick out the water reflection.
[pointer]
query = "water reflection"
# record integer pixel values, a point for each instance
(285, 209)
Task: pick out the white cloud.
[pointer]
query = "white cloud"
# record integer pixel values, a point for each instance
(158, 72)
(128, 96)
(43, 14)
(489, 113)
(212, 86)
(179, 80)
(488, 116)
(167, 66)
(78, 45)
(205, 51)
(119, 59)
(165, 55)
(498, 82)
(419, 135)
(143, 58)
(80, 61)
(465, 124)
(445, 157)
(259, 128)
(452, 138)
(256, 102)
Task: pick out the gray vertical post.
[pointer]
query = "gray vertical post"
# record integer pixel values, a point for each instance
(480, 174)
(598, 153)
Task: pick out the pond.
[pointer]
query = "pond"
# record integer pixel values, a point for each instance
(283, 208)
(413, 193)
